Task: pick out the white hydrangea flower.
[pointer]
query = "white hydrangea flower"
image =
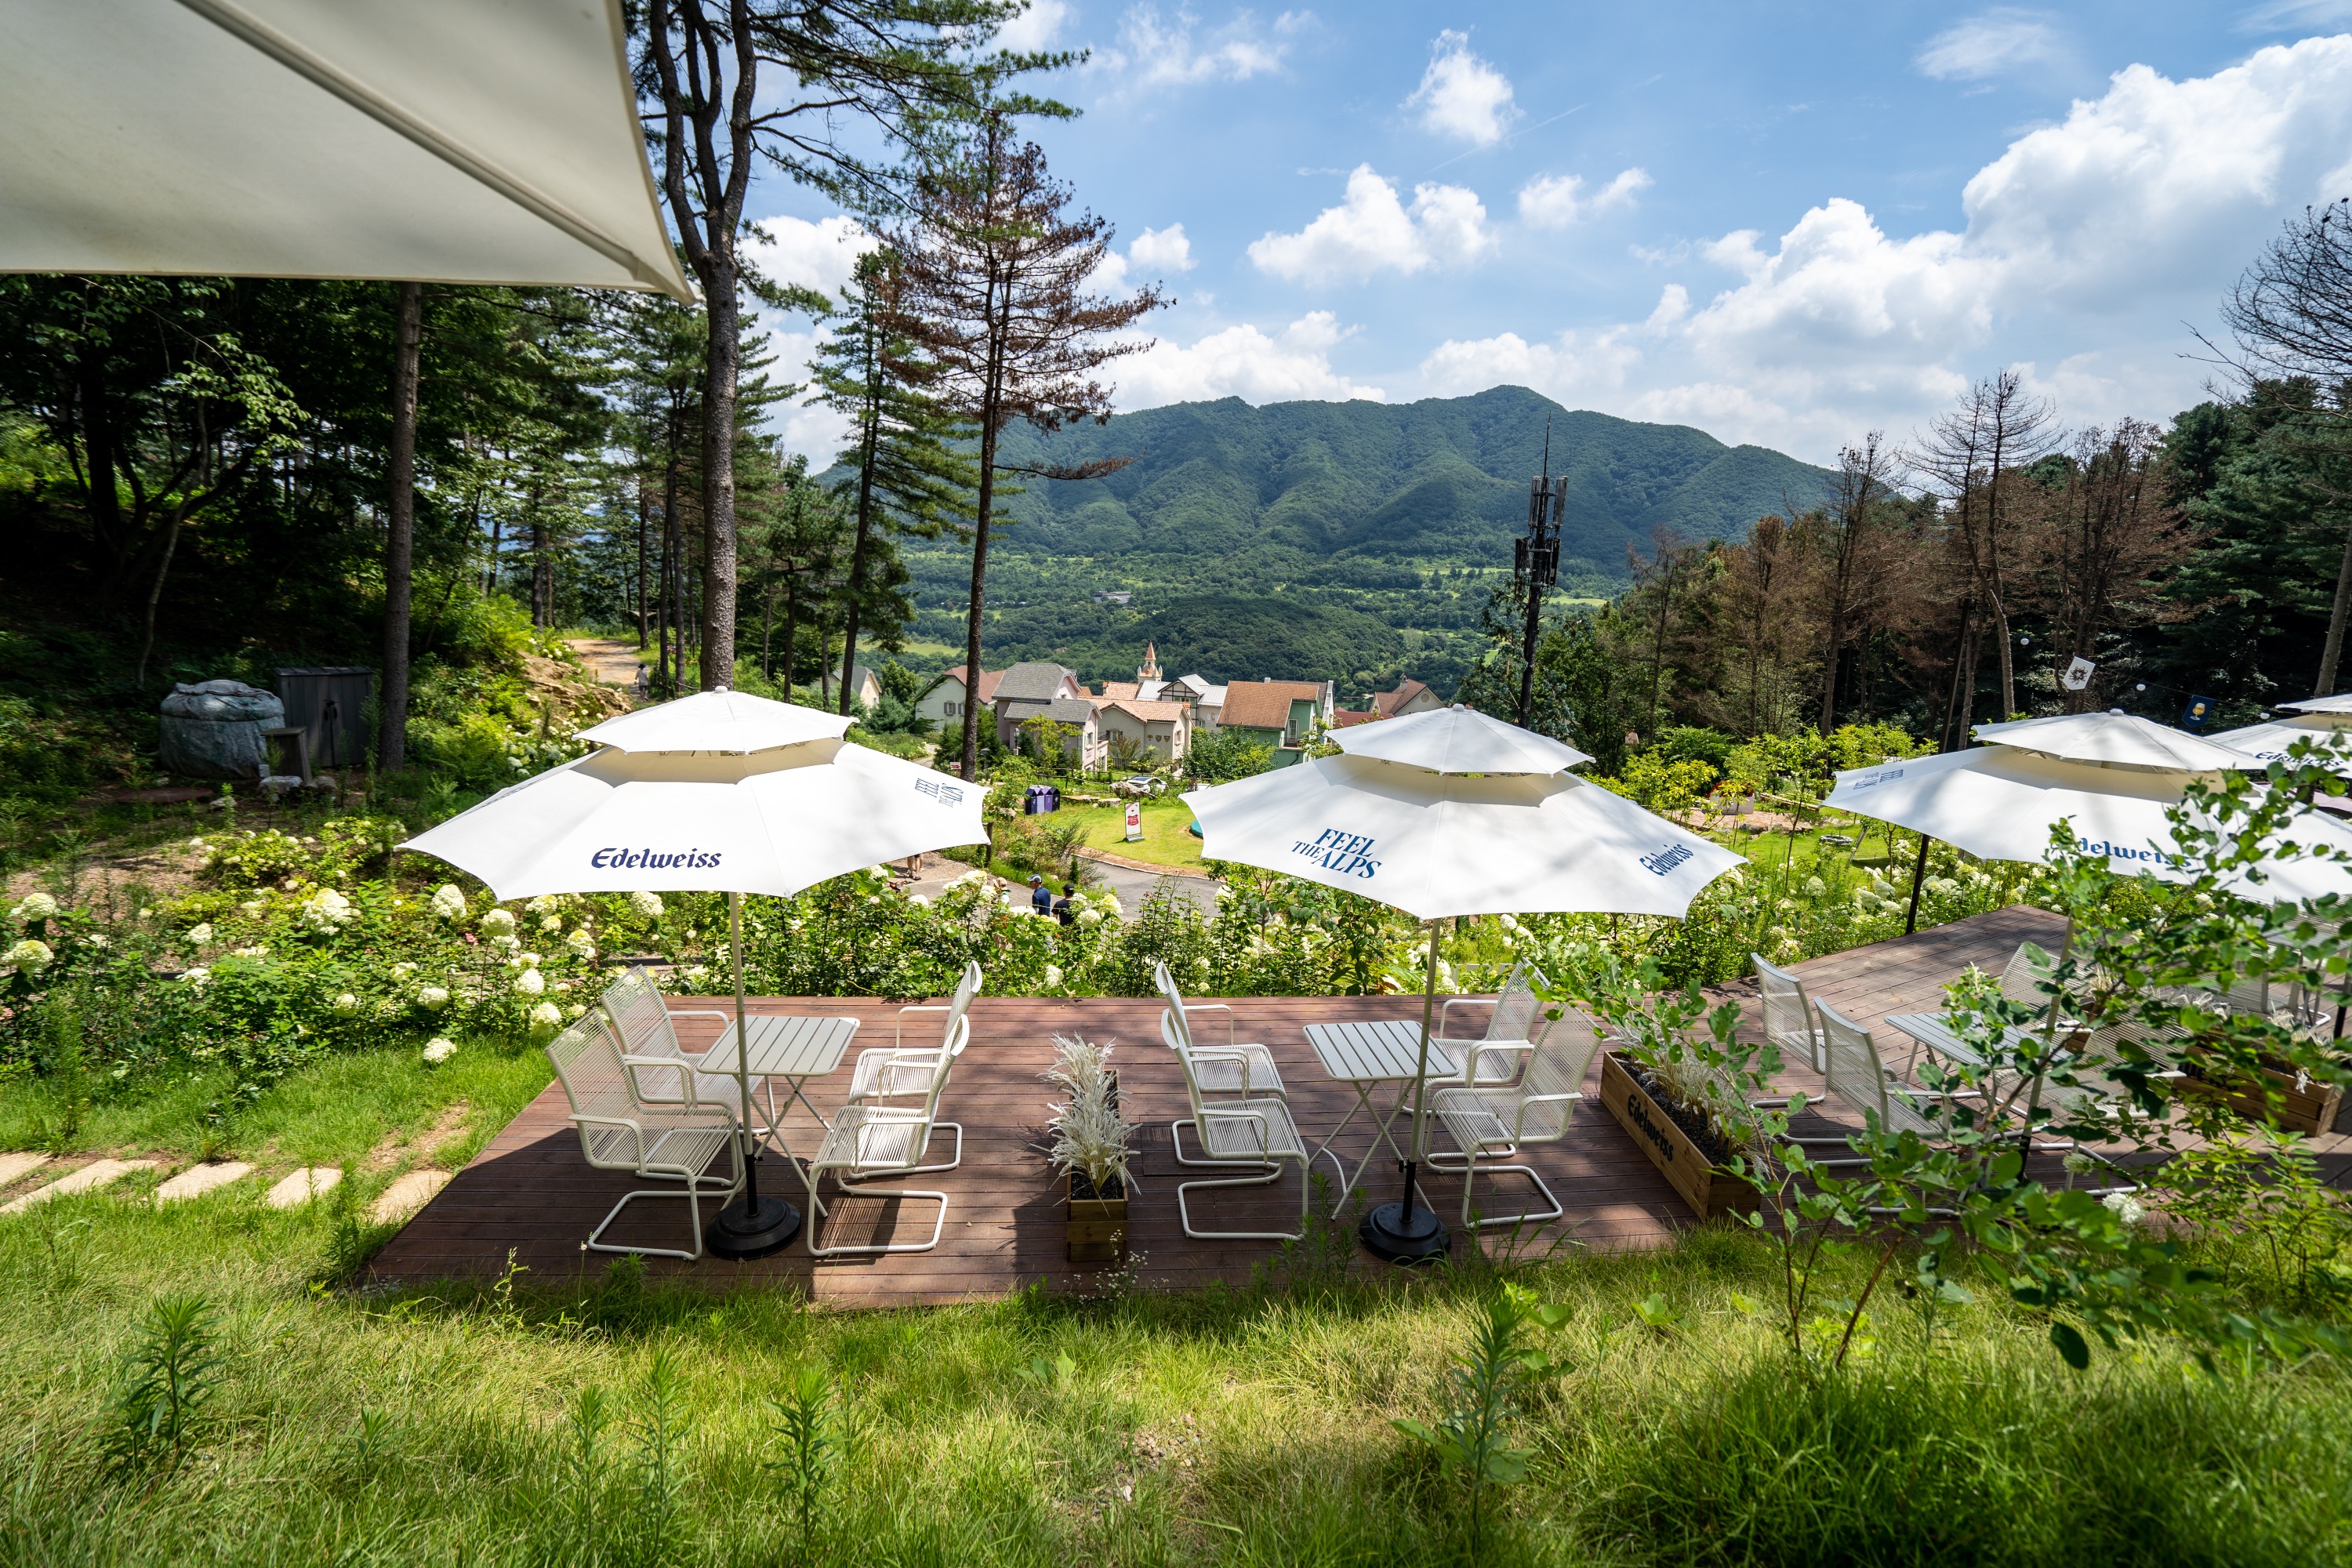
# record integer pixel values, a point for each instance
(921, 899)
(403, 971)
(1088, 917)
(34, 907)
(258, 950)
(581, 943)
(648, 905)
(347, 1002)
(499, 921)
(2125, 1207)
(29, 956)
(546, 1015)
(252, 907)
(1508, 922)
(551, 923)
(1815, 887)
(576, 1010)
(530, 983)
(432, 995)
(449, 902)
(200, 934)
(197, 976)
(528, 960)
(545, 904)
(328, 910)
(439, 1049)
(1053, 977)
(506, 943)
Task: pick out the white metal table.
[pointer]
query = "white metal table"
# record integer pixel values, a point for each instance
(795, 1049)
(1365, 1056)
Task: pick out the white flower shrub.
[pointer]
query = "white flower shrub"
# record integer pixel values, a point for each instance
(530, 983)
(328, 910)
(449, 902)
(196, 976)
(546, 1015)
(551, 923)
(650, 905)
(439, 1049)
(200, 934)
(499, 921)
(1053, 977)
(29, 957)
(432, 995)
(403, 971)
(346, 1003)
(34, 907)
(581, 944)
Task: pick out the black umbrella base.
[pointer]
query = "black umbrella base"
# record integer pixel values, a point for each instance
(1391, 1232)
(753, 1228)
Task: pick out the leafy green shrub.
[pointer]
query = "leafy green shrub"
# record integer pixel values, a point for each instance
(1226, 755)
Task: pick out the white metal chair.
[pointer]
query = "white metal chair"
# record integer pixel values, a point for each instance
(876, 1140)
(620, 1131)
(644, 1017)
(1789, 1016)
(1252, 1131)
(1857, 1076)
(900, 1071)
(1493, 1125)
(1518, 1026)
(1234, 1068)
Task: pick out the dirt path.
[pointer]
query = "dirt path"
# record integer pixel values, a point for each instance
(614, 660)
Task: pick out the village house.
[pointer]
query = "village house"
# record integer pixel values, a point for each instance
(1085, 745)
(1025, 689)
(1410, 697)
(1282, 714)
(1160, 732)
(943, 701)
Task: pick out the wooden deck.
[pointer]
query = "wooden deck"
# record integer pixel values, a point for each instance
(531, 1191)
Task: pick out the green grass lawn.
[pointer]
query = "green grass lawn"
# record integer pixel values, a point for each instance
(1165, 841)
(597, 1419)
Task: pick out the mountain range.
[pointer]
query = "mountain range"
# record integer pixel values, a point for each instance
(1342, 541)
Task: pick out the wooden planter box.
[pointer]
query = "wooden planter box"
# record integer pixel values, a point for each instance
(1097, 1221)
(1686, 1168)
(2311, 1109)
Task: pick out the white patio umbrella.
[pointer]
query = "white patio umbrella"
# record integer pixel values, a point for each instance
(437, 140)
(2113, 775)
(2328, 720)
(721, 791)
(1453, 813)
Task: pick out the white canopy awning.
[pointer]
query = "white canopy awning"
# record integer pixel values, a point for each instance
(447, 140)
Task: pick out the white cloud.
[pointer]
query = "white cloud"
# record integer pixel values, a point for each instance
(1373, 230)
(1557, 201)
(2141, 206)
(1163, 249)
(1461, 95)
(1035, 29)
(1154, 52)
(2285, 15)
(1992, 43)
(1242, 361)
(822, 256)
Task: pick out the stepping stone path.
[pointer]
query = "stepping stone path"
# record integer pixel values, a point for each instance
(14, 1168)
(313, 1181)
(89, 1179)
(197, 1180)
(406, 1195)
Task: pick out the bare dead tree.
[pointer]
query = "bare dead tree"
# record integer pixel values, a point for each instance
(2290, 314)
(1852, 534)
(995, 267)
(1765, 592)
(1973, 454)
(2105, 538)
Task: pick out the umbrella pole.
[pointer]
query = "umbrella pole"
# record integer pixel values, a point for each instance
(1918, 873)
(751, 1226)
(1404, 1231)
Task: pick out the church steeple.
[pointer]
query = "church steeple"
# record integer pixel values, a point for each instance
(1150, 668)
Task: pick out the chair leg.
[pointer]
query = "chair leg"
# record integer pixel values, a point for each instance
(849, 1182)
(937, 1224)
(1470, 1173)
(1274, 1174)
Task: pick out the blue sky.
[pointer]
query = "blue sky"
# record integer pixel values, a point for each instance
(1785, 224)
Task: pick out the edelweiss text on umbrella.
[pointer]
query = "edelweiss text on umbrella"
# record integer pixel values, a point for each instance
(2118, 852)
(1346, 853)
(1658, 862)
(651, 859)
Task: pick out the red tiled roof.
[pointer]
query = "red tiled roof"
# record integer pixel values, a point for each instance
(1348, 718)
(1150, 713)
(988, 679)
(1264, 704)
(1386, 703)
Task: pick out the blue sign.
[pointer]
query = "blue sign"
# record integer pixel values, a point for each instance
(2193, 717)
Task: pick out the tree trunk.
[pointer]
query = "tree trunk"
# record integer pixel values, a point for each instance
(1831, 660)
(156, 593)
(792, 630)
(870, 443)
(986, 503)
(97, 445)
(2008, 660)
(641, 564)
(2334, 651)
(718, 465)
(400, 533)
(824, 664)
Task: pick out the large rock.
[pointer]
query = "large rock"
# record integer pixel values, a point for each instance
(213, 730)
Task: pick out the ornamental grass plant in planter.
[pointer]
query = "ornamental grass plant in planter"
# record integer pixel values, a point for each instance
(1088, 1145)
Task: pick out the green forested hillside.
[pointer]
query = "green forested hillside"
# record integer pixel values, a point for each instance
(1343, 541)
